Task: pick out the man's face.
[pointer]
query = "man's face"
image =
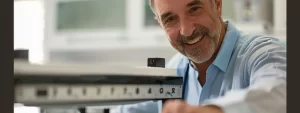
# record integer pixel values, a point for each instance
(193, 26)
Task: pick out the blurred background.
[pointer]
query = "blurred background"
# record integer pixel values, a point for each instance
(119, 32)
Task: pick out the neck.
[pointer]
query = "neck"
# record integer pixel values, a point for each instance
(202, 67)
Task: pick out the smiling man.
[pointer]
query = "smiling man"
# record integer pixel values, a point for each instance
(224, 70)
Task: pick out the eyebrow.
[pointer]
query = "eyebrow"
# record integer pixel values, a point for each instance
(194, 2)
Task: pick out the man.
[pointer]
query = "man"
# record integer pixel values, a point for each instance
(227, 71)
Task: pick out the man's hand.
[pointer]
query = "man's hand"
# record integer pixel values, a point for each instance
(178, 106)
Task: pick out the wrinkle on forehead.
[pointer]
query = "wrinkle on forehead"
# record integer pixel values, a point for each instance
(163, 6)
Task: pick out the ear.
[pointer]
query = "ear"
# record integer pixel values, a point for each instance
(218, 4)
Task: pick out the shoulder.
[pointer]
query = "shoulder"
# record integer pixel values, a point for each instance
(255, 43)
(259, 50)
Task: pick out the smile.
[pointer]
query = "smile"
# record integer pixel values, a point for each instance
(197, 39)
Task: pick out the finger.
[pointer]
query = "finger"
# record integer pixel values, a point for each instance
(174, 106)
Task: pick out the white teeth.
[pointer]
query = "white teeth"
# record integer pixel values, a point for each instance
(194, 41)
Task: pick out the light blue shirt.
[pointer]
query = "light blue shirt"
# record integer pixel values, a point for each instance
(247, 76)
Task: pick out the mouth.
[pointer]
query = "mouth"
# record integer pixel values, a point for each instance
(195, 40)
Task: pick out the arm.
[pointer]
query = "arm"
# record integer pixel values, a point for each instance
(266, 67)
(145, 107)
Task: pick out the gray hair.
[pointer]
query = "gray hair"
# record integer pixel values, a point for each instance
(151, 5)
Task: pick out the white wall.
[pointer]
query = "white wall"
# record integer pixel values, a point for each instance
(28, 28)
(280, 18)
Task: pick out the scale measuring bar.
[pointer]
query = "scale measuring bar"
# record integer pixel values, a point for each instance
(75, 84)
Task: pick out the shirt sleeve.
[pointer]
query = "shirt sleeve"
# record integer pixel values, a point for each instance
(144, 107)
(266, 67)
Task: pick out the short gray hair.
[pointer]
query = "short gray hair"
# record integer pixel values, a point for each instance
(151, 4)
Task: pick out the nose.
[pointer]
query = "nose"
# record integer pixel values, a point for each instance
(186, 28)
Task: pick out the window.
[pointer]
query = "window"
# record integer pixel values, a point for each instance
(149, 16)
(228, 10)
(91, 15)
(241, 10)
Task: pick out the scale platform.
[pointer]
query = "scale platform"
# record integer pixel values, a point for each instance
(86, 85)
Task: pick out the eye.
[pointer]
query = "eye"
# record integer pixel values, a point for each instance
(194, 9)
(170, 19)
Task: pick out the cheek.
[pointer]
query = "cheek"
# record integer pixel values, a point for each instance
(205, 19)
(172, 35)
(210, 43)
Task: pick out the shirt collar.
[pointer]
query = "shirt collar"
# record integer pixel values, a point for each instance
(227, 47)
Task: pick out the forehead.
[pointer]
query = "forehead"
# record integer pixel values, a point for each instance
(162, 6)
